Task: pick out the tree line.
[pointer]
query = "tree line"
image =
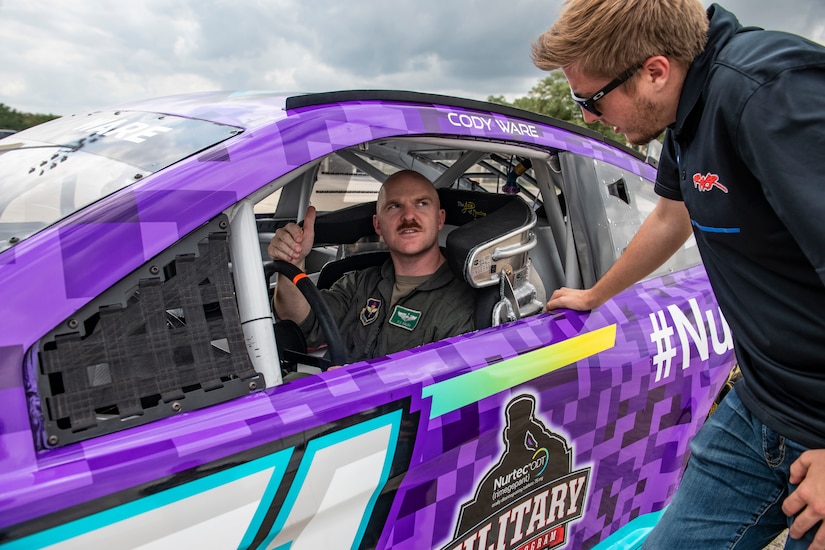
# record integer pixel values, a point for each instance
(10, 119)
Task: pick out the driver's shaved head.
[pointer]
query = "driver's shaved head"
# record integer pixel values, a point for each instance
(408, 217)
(402, 176)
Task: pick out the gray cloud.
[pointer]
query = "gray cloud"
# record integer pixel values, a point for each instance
(65, 57)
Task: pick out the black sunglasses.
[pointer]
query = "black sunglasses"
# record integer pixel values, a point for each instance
(589, 103)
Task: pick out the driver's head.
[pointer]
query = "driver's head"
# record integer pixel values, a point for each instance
(408, 214)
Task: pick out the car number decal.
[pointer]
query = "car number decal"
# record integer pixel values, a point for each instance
(328, 503)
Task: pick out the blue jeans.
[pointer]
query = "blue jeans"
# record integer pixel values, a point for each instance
(732, 491)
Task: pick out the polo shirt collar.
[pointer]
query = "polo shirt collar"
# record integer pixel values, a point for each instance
(723, 25)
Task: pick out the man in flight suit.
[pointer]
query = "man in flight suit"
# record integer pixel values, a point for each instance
(411, 300)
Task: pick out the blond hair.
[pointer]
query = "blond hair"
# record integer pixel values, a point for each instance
(607, 37)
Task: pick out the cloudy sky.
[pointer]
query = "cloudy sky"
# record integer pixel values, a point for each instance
(69, 56)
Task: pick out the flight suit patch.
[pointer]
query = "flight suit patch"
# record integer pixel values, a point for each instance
(405, 318)
(370, 311)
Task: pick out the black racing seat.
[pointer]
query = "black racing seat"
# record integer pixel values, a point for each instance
(489, 250)
(487, 223)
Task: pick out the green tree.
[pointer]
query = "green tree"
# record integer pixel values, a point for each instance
(11, 119)
(551, 97)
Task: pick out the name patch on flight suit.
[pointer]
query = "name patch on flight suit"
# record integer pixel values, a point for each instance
(405, 318)
(370, 311)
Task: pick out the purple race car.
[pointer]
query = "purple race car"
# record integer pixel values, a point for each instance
(143, 404)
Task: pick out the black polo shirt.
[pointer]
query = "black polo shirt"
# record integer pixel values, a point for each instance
(747, 156)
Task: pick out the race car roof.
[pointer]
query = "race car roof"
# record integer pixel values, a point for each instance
(303, 101)
(250, 109)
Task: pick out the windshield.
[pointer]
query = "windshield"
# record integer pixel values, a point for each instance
(53, 170)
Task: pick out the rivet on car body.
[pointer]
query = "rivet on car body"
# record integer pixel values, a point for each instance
(176, 406)
(253, 386)
(73, 323)
(53, 440)
(154, 270)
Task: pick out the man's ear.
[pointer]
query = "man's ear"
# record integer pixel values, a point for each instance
(375, 225)
(442, 218)
(656, 71)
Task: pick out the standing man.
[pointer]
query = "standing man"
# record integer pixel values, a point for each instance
(743, 168)
(413, 299)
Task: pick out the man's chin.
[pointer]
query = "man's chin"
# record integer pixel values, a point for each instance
(411, 250)
(640, 139)
(637, 138)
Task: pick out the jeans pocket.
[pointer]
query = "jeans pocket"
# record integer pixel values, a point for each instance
(773, 445)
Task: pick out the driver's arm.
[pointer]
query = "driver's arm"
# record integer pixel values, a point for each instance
(662, 233)
(292, 243)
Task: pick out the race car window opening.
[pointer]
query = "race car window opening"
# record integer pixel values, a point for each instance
(353, 176)
(164, 340)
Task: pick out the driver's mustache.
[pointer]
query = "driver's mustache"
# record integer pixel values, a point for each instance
(409, 225)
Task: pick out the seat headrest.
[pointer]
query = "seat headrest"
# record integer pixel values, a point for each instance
(345, 226)
(487, 223)
(463, 206)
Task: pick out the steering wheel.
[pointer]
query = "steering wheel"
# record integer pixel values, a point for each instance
(335, 344)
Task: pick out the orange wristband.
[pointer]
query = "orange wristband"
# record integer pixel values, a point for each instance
(298, 277)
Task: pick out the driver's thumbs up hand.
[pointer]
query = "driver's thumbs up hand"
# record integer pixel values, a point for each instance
(309, 231)
(292, 243)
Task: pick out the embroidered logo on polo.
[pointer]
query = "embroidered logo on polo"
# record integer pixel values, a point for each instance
(369, 313)
(405, 318)
(707, 182)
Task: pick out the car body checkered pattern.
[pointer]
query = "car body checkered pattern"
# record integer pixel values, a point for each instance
(626, 402)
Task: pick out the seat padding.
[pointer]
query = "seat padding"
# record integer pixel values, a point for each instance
(333, 271)
(508, 214)
(345, 226)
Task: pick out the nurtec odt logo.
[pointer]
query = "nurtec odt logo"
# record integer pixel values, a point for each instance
(527, 499)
